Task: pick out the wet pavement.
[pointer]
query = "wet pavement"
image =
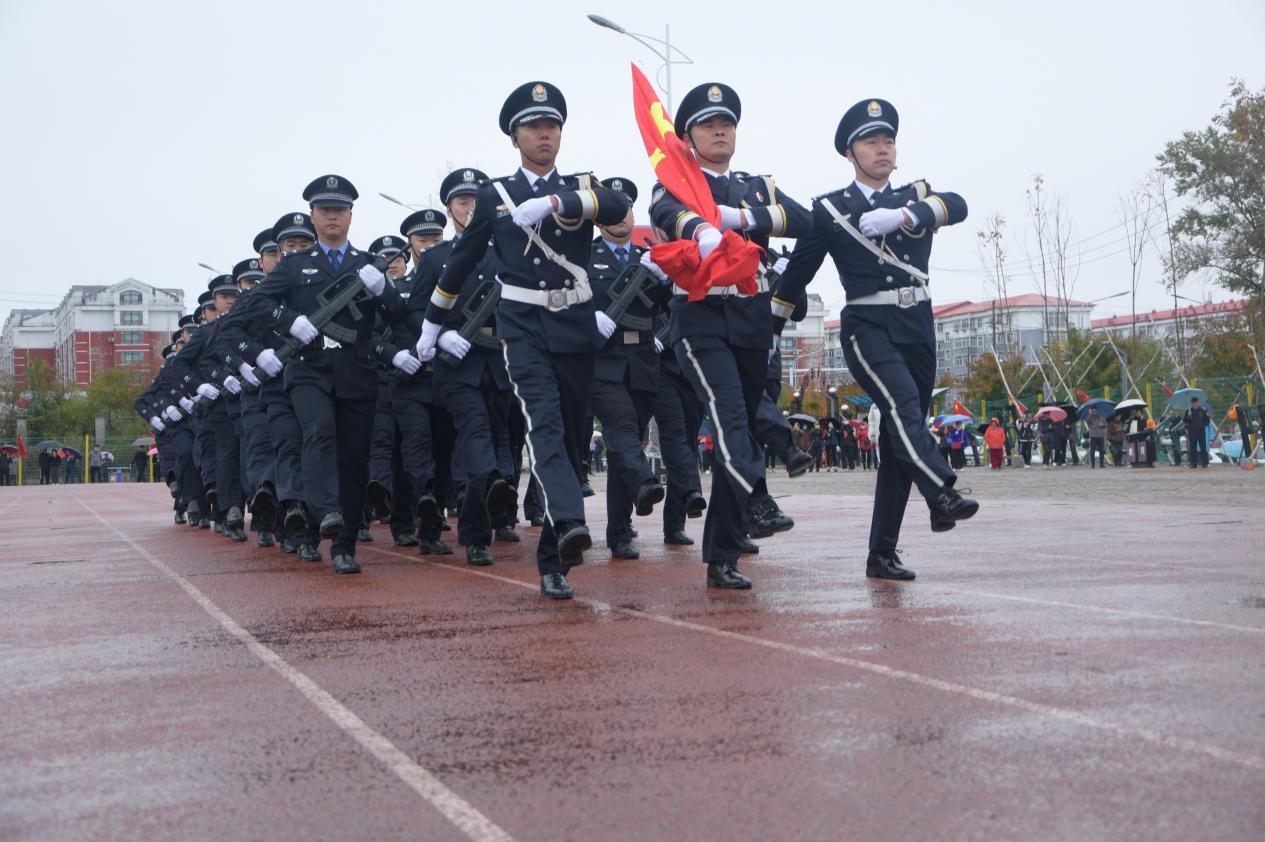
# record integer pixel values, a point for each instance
(1061, 669)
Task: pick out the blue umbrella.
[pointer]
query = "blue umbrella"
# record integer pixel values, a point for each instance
(1180, 399)
(952, 419)
(1104, 407)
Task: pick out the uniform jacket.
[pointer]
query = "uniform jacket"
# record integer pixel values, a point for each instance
(745, 322)
(637, 363)
(859, 270)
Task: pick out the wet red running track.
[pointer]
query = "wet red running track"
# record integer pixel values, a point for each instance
(163, 683)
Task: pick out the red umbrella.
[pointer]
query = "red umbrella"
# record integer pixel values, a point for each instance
(1054, 413)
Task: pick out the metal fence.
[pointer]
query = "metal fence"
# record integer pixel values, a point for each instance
(73, 461)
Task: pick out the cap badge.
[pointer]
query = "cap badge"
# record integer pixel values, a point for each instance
(539, 94)
(617, 184)
(331, 182)
(468, 175)
(298, 219)
(714, 94)
(874, 109)
(254, 264)
(430, 216)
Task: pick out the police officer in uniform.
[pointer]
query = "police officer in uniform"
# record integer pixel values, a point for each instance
(542, 224)
(880, 240)
(723, 342)
(625, 377)
(333, 384)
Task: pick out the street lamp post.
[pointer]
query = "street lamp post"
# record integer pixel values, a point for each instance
(830, 395)
(798, 396)
(644, 40)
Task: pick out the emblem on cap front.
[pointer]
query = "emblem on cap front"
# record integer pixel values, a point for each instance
(430, 216)
(331, 182)
(713, 94)
(298, 219)
(617, 184)
(468, 175)
(539, 94)
(874, 109)
(254, 264)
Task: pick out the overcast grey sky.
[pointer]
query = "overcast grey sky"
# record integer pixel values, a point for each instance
(143, 137)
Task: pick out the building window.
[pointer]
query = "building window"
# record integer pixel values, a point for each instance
(131, 296)
(131, 317)
(131, 357)
(131, 337)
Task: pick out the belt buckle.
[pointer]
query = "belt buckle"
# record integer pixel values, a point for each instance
(557, 300)
(487, 330)
(905, 298)
(632, 337)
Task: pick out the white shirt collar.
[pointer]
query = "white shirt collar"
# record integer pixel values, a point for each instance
(532, 178)
(867, 191)
(724, 174)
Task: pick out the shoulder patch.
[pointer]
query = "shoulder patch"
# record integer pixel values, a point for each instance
(657, 193)
(836, 192)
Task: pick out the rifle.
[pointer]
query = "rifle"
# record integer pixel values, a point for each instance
(346, 293)
(632, 285)
(477, 310)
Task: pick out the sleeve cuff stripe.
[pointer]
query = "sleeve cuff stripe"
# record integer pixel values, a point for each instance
(443, 300)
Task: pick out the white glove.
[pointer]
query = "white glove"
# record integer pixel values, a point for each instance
(233, 385)
(187, 405)
(454, 344)
(248, 375)
(882, 221)
(172, 413)
(773, 347)
(269, 362)
(303, 330)
(532, 211)
(658, 346)
(708, 239)
(427, 355)
(156, 424)
(406, 362)
(779, 267)
(733, 219)
(197, 399)
(605, 326)
(653, 267)
(208, 391)
(430, 332)
(373, 280)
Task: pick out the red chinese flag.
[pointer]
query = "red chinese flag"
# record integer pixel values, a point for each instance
(21, 447)
(1080, 394)
(1167, 390)
(961, 410)
(1023, 410)
(735, 261)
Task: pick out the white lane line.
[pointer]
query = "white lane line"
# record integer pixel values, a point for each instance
(1120, 611)
(1126, 732)
(457, 810)
(9, 505)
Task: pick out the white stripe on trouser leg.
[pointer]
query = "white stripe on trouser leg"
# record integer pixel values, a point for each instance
(720, 428)
(531, 450)
(900, 428)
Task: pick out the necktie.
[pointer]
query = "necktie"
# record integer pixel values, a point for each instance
(621, 254)
(876, 198)
(539, 187)
(335, 258)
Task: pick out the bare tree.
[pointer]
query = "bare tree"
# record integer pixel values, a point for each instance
(1136, 208)
(992, 255)
(1038, 215)
(1065, 262)
(1166, 244)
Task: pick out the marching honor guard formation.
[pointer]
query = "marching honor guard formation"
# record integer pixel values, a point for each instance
(320, 387)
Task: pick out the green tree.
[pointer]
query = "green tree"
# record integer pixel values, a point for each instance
(983, 381)
(1221, 171)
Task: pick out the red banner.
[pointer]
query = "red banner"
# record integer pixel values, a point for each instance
(21, 447)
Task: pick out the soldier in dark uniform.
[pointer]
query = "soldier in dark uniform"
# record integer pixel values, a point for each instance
(390, 494)
(252, 331)
(542, 225)
(472, 380)
(625, 377)
(880, 241)
(333, 384)
(723, 342)
(679, 414)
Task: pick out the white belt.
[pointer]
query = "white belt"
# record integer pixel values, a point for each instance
(904, 297)
(761, 285)
(551, 299)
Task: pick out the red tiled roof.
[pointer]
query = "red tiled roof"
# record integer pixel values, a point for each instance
(1191, 312)
(1031, 299)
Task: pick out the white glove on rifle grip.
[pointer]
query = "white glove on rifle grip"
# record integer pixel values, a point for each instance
(156, 424)
(406, 362)
(374, 281)
(303, 330)
(233, 385)
(208, 391)
(248, 375)
(605, 325)
(453, 342)
(187, 405)
(172, 413)
(653, 267)
(430, 332)
(269, 362)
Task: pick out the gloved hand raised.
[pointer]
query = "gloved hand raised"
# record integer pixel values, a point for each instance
(733, 219)
(882, 221)
(406, 363)
(779, 268)
(303, 330)
(534, 210)
(374, 281)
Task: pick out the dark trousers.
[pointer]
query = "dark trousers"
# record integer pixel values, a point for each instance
(479, 415)
(771, 427)
(287, 439)
(416, 453)
(204, 446)
(729, 382)
(179, 440)
(228, 483)
(552, 391)
(386, 466)
(1197, 441)
(261, 461)
(624, 415)
(443, 440)
(1096, 447)
(382, 446)
(336, 433)
(899, 379)
(679, 414)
